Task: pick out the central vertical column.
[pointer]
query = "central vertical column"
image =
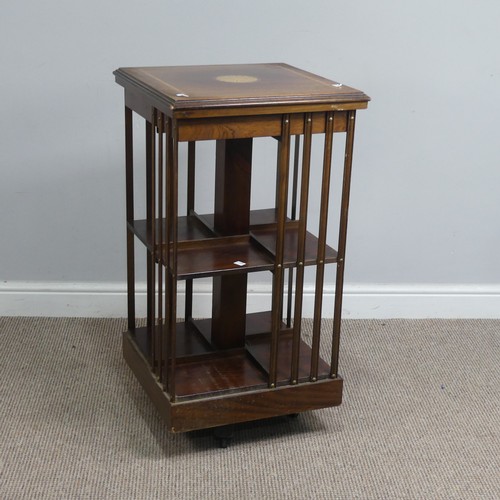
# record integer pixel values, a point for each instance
(233, 169)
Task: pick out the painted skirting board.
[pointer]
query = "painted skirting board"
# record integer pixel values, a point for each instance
(360, 300)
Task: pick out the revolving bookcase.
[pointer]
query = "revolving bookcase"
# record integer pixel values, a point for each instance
(235, 366)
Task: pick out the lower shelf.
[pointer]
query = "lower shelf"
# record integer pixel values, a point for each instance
(216, 388)
(221, 373)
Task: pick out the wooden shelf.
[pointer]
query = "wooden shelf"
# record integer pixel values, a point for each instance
(217, 375)
(266, 236)
(216, 256)
(201, 253)
(261, 217)
(201, 370)
(189, 342)
(259, 346)
(188, 228)
(204, 410)
(195, 227)
(263, 231)
(255, 323)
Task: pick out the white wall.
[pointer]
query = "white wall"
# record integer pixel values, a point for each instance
(425, 210)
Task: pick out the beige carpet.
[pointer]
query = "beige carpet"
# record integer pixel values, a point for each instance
(420, 419)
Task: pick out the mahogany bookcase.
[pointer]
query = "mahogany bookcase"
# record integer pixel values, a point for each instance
(234, 367)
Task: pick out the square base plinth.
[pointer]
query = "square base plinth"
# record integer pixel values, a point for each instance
(230, 407)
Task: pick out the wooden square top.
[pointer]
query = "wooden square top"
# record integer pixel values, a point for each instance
(235, 85)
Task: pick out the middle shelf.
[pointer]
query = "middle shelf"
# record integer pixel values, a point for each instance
(202, 252)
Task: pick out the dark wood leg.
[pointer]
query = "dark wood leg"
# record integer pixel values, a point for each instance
(150, 216)
(188, 314)
(129, 166)
(351, 118)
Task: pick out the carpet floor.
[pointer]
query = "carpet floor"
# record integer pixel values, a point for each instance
(420, 420)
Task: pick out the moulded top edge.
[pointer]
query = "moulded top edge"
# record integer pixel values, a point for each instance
(239, 85)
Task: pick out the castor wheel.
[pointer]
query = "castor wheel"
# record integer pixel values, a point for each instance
(224, 435)
(224, 442)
